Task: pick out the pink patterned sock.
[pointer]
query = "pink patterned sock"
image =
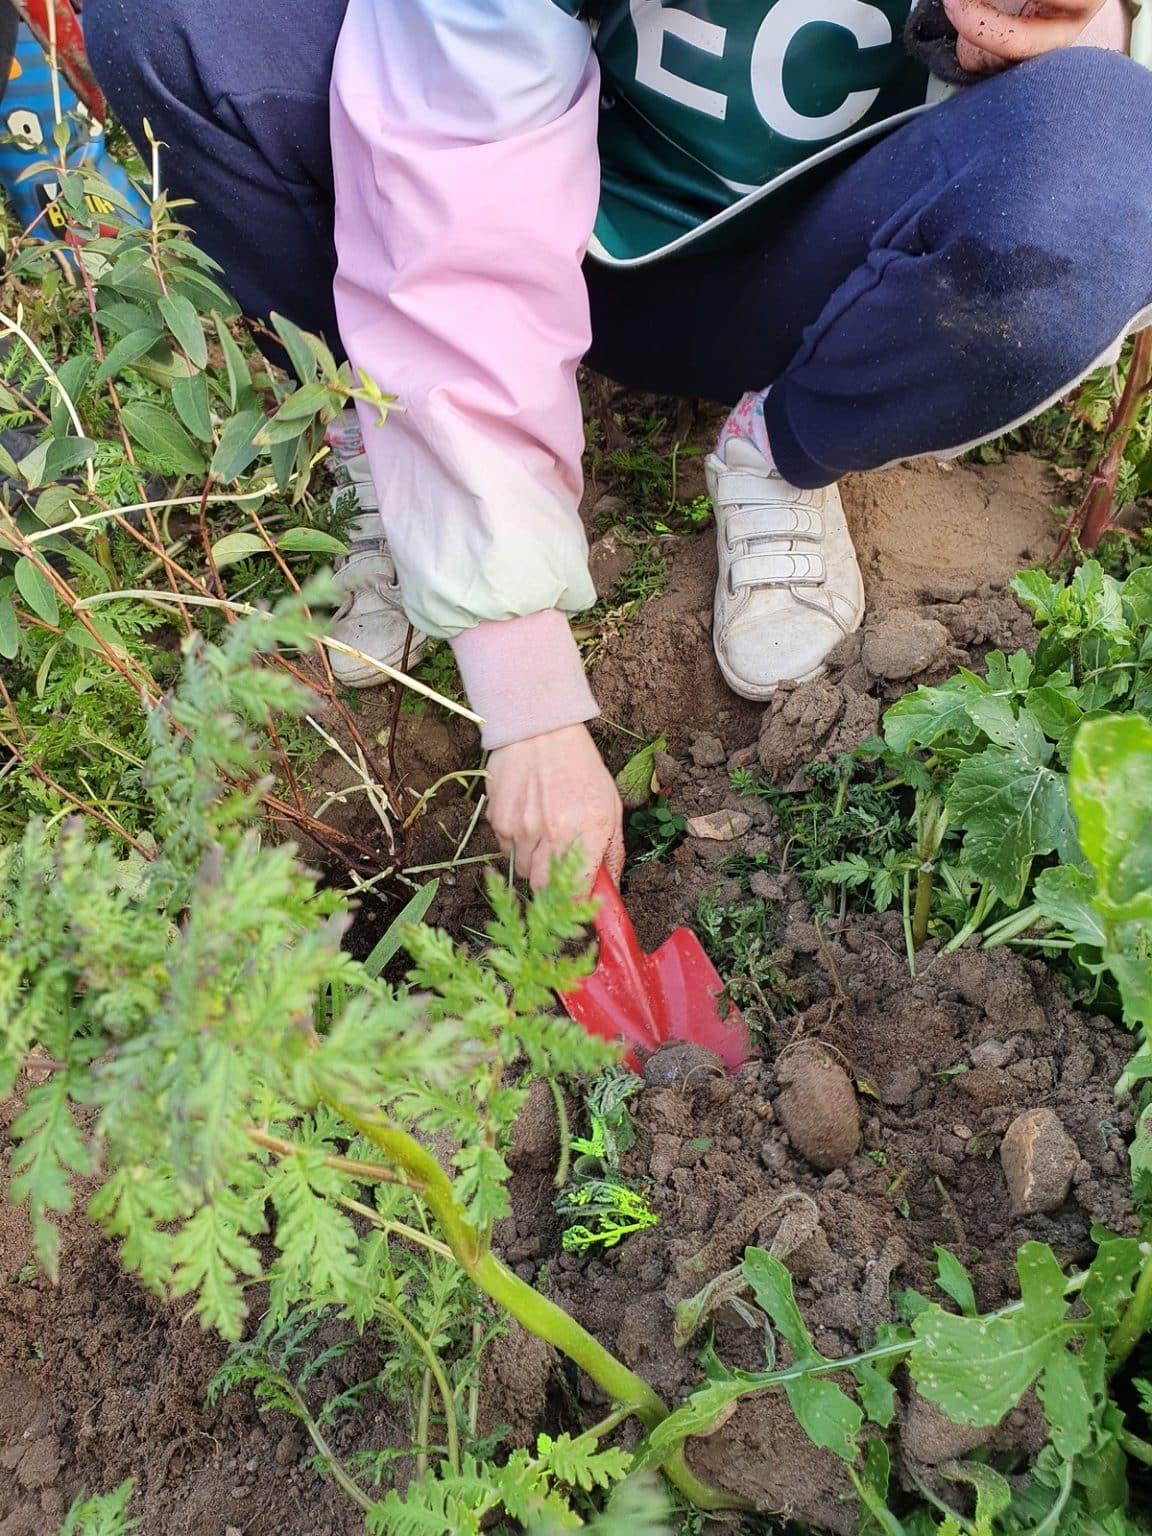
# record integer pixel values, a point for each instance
(747, 420)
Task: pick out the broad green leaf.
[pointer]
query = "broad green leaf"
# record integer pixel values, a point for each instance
(994, 714)
(1111, 787)
(928, 714)
(31, 466)
(826, 1413)
(238, 546)
(877, 1394)
(1111, 1276)
(952, 1278)
(310, 541)
(236, 449)
(1012, 808)
(9, 630)
(83, 639)
(65, 453)
(1064, 895)
(634, 781)
(122, 318)
(993, 1492)
(284, 456)
(160, 434)
(302, 404)
(871, 1484)
(1137, 592)
(185, 324)
(1037, 591)
(36, 590)
(59, 504)
(126, 351)
(190, 398)
(977, 1368)
(203, 294)
(1054, 708)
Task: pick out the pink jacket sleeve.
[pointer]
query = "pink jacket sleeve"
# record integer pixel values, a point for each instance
(464, 148)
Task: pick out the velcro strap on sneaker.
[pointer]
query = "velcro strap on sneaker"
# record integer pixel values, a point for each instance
(772, 520)
(777, 570)
(737, 487)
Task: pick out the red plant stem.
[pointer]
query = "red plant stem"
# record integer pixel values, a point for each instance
(1093, 517)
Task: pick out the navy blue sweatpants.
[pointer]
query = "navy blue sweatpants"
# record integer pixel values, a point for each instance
(943, 283)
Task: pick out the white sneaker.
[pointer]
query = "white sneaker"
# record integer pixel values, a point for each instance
(371, 618)
(789, 587)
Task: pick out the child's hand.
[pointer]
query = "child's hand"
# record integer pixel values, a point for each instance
(551, 791)
(994, 36)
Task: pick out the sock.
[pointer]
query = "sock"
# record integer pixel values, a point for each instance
(343, 435)
(747, 420)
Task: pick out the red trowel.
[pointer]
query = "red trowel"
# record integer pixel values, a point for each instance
(647, 1000)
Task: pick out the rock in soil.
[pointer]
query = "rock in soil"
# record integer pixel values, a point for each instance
(817, 1105)
(680, 1061)
(1039, 1159)
(921, 1182)
(719, 826)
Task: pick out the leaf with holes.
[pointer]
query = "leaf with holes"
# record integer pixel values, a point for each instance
(978, 1368)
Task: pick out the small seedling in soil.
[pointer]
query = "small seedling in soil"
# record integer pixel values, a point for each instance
(597, 1205)
(659, 829)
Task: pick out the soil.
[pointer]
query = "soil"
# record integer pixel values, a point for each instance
(99, 1382)
(932, 1072)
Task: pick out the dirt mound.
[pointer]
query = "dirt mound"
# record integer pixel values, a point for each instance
(949, 528)
(933, 1071)
(99, 1382)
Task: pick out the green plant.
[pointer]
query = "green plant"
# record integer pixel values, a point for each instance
(659, 827)
(177, 1000)
(597, 1204)
(982, 765)
(171, 489)
(103, 1514)
(847, 832)
(742, 939)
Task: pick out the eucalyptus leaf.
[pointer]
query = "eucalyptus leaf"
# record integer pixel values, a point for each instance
(158, 433)
(36, 590)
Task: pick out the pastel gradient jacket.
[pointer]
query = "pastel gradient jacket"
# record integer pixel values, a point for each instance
(481, 149)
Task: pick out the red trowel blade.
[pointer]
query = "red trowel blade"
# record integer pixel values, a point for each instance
(646, 1000)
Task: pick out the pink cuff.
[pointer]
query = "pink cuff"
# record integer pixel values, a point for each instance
(524, 676)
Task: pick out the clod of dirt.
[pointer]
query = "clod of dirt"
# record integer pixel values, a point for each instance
(719, 826)
(1039, 1159)
(810, 724)
(707, 751)
(928, 1435)
(817, 1106)
(680, 1061)
(902, 645)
